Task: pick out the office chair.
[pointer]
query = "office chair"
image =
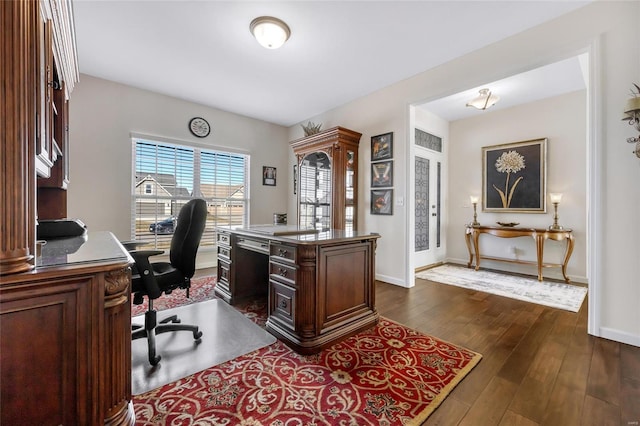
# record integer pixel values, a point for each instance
(154, 279)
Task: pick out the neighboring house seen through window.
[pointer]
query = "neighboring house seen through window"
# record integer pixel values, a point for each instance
(168, 175)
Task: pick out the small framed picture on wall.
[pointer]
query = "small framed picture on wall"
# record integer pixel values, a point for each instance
(382, 174)
(382, 201)
(382, 147)
(268, 175)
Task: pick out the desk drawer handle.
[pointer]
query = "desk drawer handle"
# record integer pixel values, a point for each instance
(282, 252)
(282, 304)
(282, 272)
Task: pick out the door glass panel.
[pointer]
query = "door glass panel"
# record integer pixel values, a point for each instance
(438, 201)
(429, 141)
(422, 204)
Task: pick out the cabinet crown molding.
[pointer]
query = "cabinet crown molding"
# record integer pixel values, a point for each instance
(65, 52)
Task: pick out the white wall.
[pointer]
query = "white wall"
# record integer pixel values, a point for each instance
(610, 29)
(103, 114)
(563, 121)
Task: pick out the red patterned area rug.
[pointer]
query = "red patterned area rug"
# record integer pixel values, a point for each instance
(201, 289)
(387, 375)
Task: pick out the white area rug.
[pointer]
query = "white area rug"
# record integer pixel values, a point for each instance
(557, 295)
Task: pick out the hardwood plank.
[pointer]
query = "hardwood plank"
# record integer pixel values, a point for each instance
(630, 402)
(493, 360)
(574, 372)
(450, 412)
(491, 404)
(604, 376)
(535, 389)
(630, 362)
(512, 419)
(600, 413)
(564, 407)
(520, 360)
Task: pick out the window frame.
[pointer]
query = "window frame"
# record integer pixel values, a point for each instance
(172, 201)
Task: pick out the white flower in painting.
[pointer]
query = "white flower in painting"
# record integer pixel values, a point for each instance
(509, 162)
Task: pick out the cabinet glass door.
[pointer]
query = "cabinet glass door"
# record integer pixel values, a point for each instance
(315, 191)
(350, 200)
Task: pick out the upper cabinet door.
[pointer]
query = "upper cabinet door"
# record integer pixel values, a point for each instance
(328, 158)
(44, 137)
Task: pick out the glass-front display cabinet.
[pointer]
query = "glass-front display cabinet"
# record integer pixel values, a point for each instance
(327, 176)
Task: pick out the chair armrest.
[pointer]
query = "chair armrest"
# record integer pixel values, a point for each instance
(133, 244)
(145, 270)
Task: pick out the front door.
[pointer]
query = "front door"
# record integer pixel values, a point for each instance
(429, 208)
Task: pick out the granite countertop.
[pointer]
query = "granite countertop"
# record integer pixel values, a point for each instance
(293, 232)
(93, 247)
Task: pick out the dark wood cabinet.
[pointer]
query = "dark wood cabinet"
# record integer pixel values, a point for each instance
(320, 285)
(39, 70)
(65, 324)
(327, 179)
(52, 144)
(65, 340)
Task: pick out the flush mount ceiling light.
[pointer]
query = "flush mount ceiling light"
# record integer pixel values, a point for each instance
(269, 31)
(484, 100)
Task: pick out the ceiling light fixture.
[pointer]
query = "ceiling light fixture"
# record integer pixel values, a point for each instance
(269, 31)
(484, 100)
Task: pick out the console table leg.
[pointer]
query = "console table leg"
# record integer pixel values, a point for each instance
(476, 246)
(467, 239)
(567, 255)
(539, 252)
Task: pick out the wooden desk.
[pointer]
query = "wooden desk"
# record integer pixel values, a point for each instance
(320, 286)
(472, 233)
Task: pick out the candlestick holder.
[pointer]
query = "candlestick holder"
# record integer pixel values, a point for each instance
(555, 199)
(474, 201)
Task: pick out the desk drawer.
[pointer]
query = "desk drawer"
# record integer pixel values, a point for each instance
(223, 272)
(284, 273)
(224, 238)
(224, 252)
(283, 252)
(260, 246)
(282, 300)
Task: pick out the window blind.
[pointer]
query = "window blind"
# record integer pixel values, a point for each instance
(168, 175)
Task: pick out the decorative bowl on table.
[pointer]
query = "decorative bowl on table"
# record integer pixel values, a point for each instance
(508, 224)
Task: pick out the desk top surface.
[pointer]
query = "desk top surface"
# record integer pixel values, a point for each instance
(299, 235)
(92, 247)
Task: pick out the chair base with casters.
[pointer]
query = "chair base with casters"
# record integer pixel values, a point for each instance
(152, 328)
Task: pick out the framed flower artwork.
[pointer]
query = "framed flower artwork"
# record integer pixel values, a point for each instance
(514, 177)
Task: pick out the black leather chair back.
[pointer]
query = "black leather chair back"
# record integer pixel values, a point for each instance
(187, 235)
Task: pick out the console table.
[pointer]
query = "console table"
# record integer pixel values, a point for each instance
(472, 235)
(319, 285)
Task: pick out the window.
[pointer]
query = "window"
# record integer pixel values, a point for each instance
(169, 175)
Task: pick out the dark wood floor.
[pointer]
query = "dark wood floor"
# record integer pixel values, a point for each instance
(539, 366)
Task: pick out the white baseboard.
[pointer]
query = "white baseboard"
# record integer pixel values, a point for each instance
(620, 336)
(391, 280)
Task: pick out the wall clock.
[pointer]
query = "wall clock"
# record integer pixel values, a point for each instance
(199, 127)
